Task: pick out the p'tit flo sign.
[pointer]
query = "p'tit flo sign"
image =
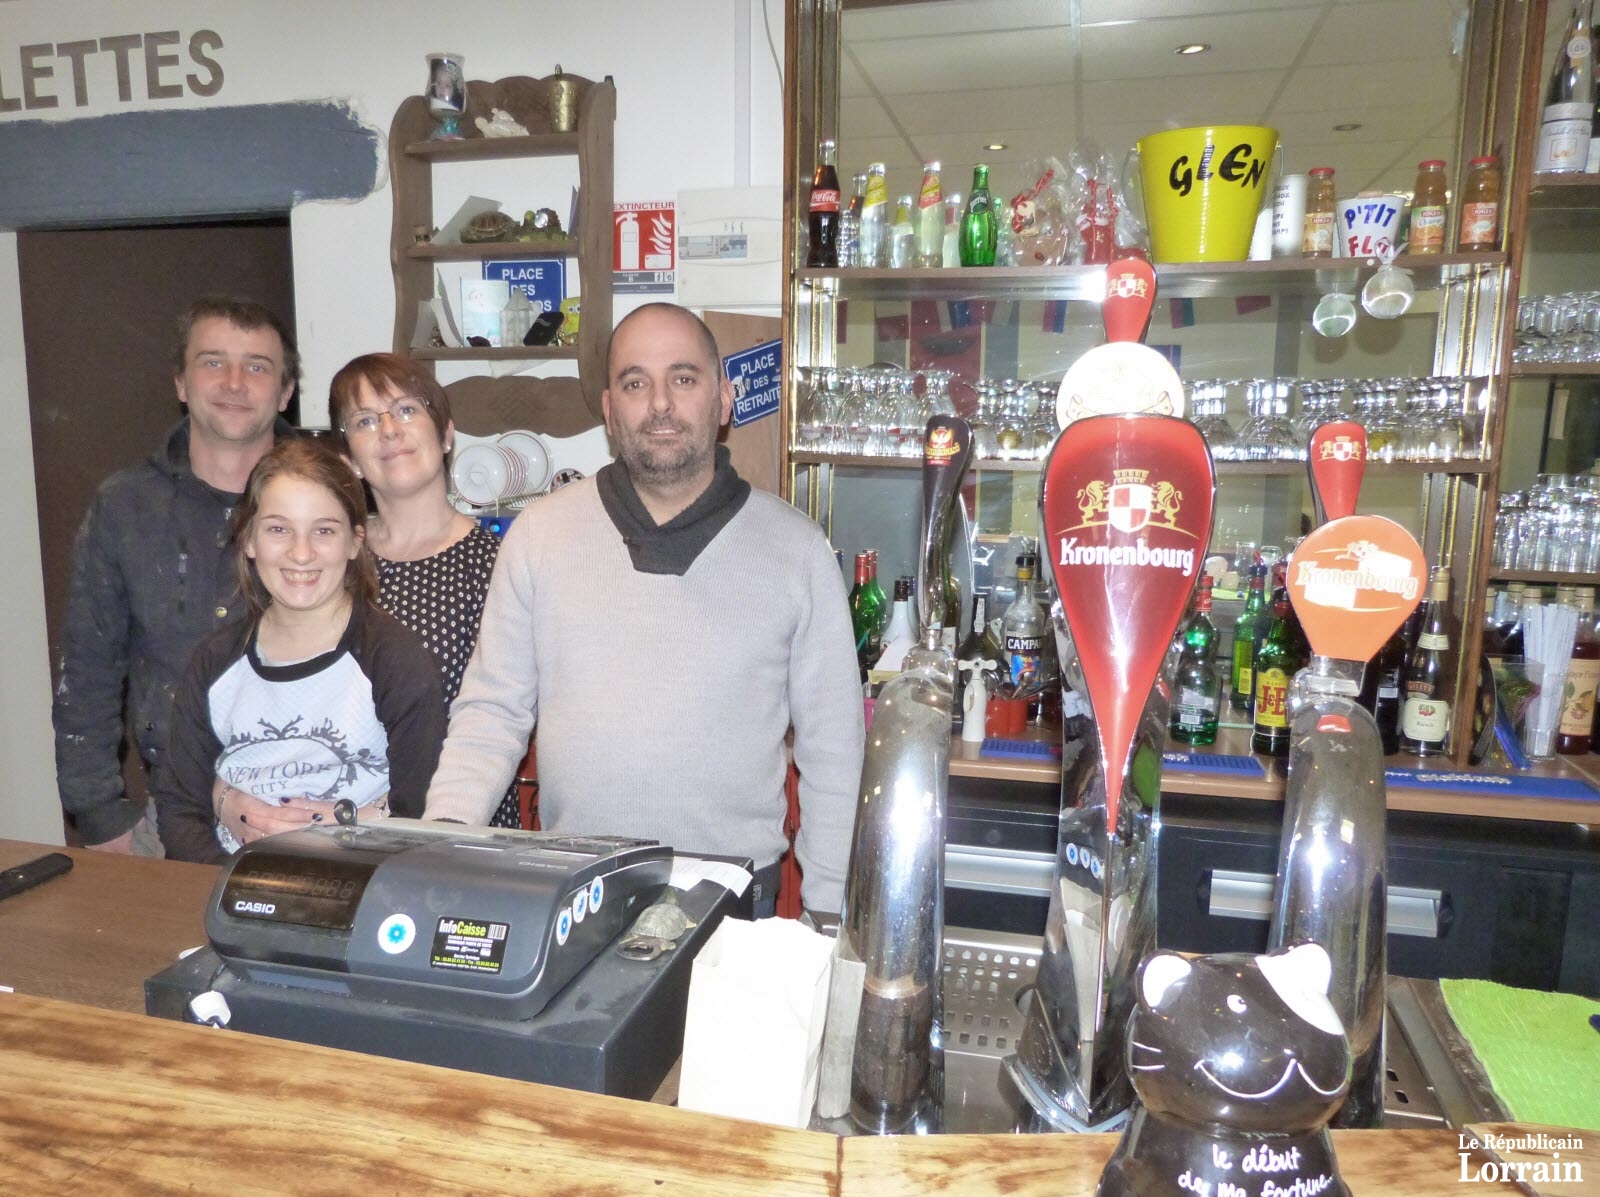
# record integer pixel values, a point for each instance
(158, 65)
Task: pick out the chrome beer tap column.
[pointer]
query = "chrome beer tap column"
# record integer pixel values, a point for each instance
(893, 917)
(1125, 519)
(1352, 581)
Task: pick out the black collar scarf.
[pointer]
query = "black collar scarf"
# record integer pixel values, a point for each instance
(671, 548)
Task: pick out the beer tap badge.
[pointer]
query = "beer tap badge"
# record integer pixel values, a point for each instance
(1126, 507)
(1337, 461)
(1353, 582)
(1122, 375)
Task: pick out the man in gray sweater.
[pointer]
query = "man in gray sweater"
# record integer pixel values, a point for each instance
(665, 626)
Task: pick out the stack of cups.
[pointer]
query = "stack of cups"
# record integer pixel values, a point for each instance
(1548, 634)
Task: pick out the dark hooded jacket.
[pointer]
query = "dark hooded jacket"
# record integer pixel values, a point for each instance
(152, 576)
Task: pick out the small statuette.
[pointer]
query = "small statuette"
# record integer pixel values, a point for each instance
(500, 124)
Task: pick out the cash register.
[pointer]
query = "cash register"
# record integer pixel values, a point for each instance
(499, 951)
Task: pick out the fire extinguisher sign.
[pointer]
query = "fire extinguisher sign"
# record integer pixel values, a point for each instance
(643, 248)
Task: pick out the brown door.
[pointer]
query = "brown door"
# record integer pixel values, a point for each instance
(98, 307)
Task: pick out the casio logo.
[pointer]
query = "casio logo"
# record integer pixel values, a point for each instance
(243, 907)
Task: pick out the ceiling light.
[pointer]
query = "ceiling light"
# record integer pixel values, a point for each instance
(1193, 48)
(1347, 127)
(995, 145)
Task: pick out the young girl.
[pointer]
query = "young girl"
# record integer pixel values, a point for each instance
(319, 696)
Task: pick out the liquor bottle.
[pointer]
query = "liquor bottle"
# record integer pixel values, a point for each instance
(1380, 689)
(952, 229)
(874, 217)
(903, 235)
(980, 226)
(1197, 689)
(930, 218)
(850, 224)
(1575, 732)
(1428, 209)
(1241, 685)
(1425, 703)
(1279, 659)
(1569, 98)
(824, 252)
(864, 613)
(1024, 632)
(901, 627)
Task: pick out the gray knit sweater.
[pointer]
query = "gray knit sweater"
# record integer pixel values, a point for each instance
(662, 701)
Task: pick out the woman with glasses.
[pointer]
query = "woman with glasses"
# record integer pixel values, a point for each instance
(392, 419)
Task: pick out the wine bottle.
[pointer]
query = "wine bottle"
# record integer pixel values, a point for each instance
(1197, 689)
(1425, 702)
(1569, 101)
(865, 609)
(1573, 735)
(1380, 689)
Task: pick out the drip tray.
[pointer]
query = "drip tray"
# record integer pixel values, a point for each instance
(1432, 1079)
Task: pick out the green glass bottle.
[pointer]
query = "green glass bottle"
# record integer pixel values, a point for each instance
(867, 616)
(980, 224)
(1280, 658)
(1242, 681)
(1197, 689)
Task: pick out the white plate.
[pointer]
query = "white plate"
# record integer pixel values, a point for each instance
(479, 473)
(531, 448)
(1123, 376)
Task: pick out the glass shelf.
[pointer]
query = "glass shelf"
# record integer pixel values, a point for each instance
(1546, 577)
(1555, 369)
(1195, 280)
(1245, 469)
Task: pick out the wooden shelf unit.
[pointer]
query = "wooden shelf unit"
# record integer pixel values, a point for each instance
(412, 159)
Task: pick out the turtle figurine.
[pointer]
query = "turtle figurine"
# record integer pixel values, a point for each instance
(656, 930)
(543, 225)
(488, 226)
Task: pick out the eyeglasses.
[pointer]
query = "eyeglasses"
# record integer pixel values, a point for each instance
(401, 411)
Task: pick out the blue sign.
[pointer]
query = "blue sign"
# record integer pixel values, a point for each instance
(543, 280)
(757, 378)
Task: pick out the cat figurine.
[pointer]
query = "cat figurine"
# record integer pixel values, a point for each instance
(1238, 1061)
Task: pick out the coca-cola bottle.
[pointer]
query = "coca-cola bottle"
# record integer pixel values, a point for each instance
(824, 252)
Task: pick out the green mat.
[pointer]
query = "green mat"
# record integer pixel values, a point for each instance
(1541, 1053)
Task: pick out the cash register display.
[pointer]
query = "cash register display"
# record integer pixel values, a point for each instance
(309, 891)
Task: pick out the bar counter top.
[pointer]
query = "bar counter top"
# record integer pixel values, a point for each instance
(104, 1102)
(100, 1099)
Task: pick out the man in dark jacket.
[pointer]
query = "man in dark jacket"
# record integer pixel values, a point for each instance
(151, 571)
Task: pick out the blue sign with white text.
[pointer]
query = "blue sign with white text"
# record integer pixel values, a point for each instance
(543, 280)
(757, 378)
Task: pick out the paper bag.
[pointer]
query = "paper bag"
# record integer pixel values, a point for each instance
(758, 999)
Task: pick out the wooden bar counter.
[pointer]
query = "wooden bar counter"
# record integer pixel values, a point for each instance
(96, 1098)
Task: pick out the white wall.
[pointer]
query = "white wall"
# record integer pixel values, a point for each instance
(682, 77)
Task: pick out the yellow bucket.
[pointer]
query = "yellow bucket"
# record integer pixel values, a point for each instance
(1202, 190)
